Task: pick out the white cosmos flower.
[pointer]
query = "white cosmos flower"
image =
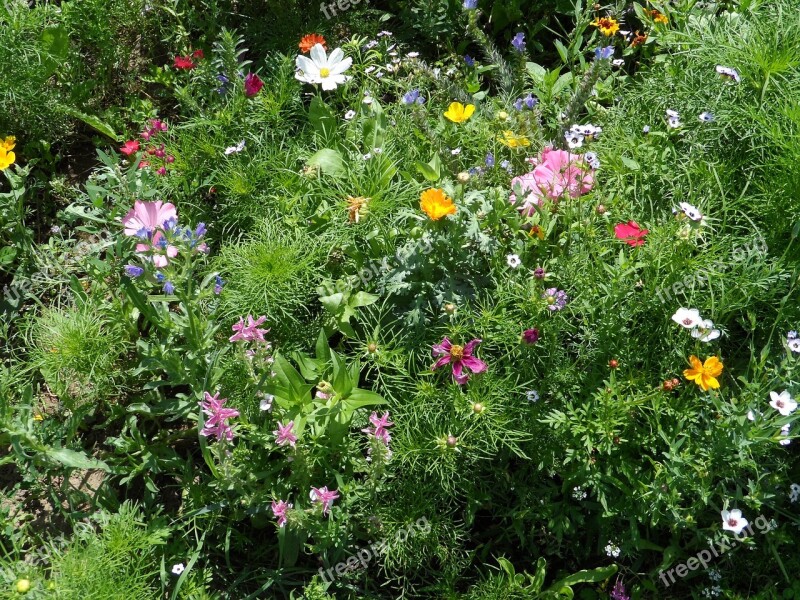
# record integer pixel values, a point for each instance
(323, 69)
(783, 403)
(687, 317)
(691, 211)
(178, 569)
(513, 261)
(705, 331)
(232, 149)
(733, 521)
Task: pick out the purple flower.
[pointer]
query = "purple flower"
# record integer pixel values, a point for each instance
(518, 104)
(133, 271)
(218, 283)
(284, 435)
(411, 97)
(380, 424)
(470, 4)
(458, 357)
(249, 332)
(470, 62)
(556, 299)
(201, 230)
(169, 288)
(216, 423)
(518, 41)
(530, 101)
(539, 273)
(252, 85)
(530, 336)
(603, 53)
(279, 509)
(324, 497)
(619, 593)
(489, 160)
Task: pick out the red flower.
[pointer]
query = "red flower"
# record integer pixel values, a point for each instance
(130, 147)
(143, 164)
(252, 85)
(184, 62)
(198, 54)
(630, 233)
(309, 41)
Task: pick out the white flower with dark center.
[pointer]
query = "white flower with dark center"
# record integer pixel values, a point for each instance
(367, 100)
(794, 493)
(455, 151)
(706, 117)
(687, 317)
(323, 69)
(513, 261)
(532, 396)
(234, 149)
(674, 122)
(574, 139)
(618, 62)
(178, 569)
(729, 73)
(793, 341)
(783, 403)
(733, 521)
(705, 331)
(691, 211)
(367, 156)
(592, 160)
(785, 434)
(349, 115)
(370, 69)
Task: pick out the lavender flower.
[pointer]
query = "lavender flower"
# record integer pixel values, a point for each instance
(133, 271)
(218, 283)
(530, 101)
(469, 61)
(470, 4)
(490, 160)
(518, 41)
(169, 288)
(556, 299)
(604, 53)
(619, 592)
(413, 97)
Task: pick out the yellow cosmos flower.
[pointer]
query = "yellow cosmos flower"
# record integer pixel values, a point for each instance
(8, 143)
(514, 141)
(435, 203)
(6, 159)
(458, 113)
(608, 26)
(704, 374)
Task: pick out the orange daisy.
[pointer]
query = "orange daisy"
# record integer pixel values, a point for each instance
(435, 203)
(704, 374)
(311, 40)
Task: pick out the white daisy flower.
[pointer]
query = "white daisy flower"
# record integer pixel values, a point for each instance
(705, 331)
(783, 403)
(349, 114)
(323, 69)
(687, 317)
(233, 149)
(733, 521)
(178, 569)
(513, 261)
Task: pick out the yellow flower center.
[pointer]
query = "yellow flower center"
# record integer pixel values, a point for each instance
(457, 352)
(551, 299)
(324, 72)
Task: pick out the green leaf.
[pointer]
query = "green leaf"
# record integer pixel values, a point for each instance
(329, 162)
(432, 170)
(75, 460)
(341, 378)
(55, 46)
(94, 123)
(363, 299)
(537, 72)
(359, 398)
(333, 302)
(630, 163)
(586, 576)
(7, 255)
(321, 116)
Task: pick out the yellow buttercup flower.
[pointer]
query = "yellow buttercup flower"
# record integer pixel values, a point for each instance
(514, 141)
(458, 113)
(608, 26)
(704, 374)
(6, 159)
(435, 203)
(8, 143)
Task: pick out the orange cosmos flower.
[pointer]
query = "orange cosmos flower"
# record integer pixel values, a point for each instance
(435, 203)
(659, 17)
(704, 374)
(309, 41)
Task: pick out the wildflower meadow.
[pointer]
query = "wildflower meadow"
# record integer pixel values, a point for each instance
(447, 299)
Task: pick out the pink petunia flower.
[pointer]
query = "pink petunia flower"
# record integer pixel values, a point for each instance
(252, 85)
(324, 497)
(146, 221)
(249, 332)
(216, 423)
(557, 173)
(279, 509)
(630, 233)
(284, 435)
(130, 147)
(458, 357)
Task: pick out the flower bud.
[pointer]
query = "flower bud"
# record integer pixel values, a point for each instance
(372, 347)
(478, 408)
(613, 363)
(450, 308)
(601, 209)
(23, 585)
(463, 177)
(452, 441)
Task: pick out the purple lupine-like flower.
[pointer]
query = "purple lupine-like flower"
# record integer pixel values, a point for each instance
(469, 61)
(169, 288)
(603, 53)
(283, 434)
(619, 592)
(216, 423)
(518, 42)
(556, 299)
(530, 336)
(133, 271)
(323, 496)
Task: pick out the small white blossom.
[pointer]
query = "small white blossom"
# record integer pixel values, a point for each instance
(733, 521)
(618, 62)
(455, 151)
(612, 550)
(233, 149)
(349, 115)
(691, 211)
(578, 493)
(706, 117)
(687, 317)
(574, 139)
(266, 402)
(794, 493)
(729, 73)
(412, 54)
(367, 156)
(513, 261)
(785, 434)
(532, 395)
(783, 403)
(178, 569)
(705, 331)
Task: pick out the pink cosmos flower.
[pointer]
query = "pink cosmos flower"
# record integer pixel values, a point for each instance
(557, 173)
(130, 147)
(249, 332)
(380, 424)
(459, 357)
(279, 509)
(216, 423)
(146, 221)
(630, 233)
(284, 435)
(323, 496)
(252, 85)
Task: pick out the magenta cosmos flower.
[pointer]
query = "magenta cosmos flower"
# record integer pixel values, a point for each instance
(323, 496)
(279, 509)
(459, 357)
(557, 173)
(146, 221)
(217, 417)
(249, 332)
(252, 85)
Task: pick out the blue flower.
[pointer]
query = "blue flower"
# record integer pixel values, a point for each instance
(518, 41)
(603, 53)
(489, 160)
(143, 233)
(530, 101)
(411, 97)
(518, 104)
(470, 4)
(133, 271)
(170, 223)
(169, 288)
(201, 230)
(159, 277)
(219, 282)
(470, 62)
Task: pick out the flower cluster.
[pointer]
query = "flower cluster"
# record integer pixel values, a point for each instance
(155, 152)
(702, 329)
(216, 423)
(557, 173)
